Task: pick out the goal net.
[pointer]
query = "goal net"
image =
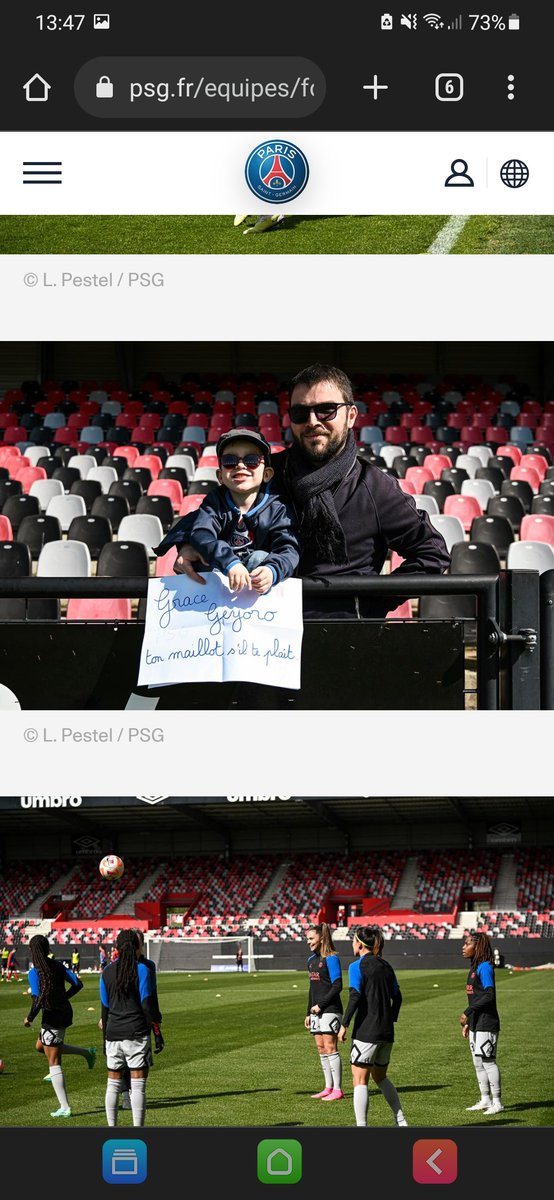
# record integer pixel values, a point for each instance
(202, 953)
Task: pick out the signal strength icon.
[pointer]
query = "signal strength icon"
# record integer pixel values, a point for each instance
(457, 23)
(434, 20)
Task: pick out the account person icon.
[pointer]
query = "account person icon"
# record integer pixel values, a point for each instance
(459, 176)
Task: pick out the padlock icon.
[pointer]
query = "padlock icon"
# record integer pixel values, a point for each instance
(104, 88)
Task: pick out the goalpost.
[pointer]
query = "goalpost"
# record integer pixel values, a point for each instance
(201, 953)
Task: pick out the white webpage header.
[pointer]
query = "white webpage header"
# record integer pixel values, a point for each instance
(349, 173)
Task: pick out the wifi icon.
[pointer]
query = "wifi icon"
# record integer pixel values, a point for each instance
(434, 20)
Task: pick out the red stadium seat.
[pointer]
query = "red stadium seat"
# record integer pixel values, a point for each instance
(496, 434)
(418, 476)
(537, 462)
(471, 435)
(152, 462)
(394, 435)
(466, 508)
(403, 611)
(408, 487)
(99, 610)
(13, 465)
(536, 528)
(28, 475)
(6, 531)
(512, 452)
(167, 487)
(528, 475)
(129, 452)
(164, 564)
(14, 433)
(436, 463)
(190, 504)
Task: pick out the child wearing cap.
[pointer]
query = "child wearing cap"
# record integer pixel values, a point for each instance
(242, 528)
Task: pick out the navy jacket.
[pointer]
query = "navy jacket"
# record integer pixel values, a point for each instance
(224, 536)
(375, 516)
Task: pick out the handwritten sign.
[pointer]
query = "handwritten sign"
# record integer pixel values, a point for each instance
(204, 633)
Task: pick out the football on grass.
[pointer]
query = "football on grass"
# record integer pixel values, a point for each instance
(111, 867)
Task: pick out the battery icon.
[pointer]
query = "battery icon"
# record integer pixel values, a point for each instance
(513, 21)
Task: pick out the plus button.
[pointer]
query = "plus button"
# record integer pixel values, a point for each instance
(376, 87)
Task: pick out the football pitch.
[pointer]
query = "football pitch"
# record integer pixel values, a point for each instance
(236, 1053)
(295, 235)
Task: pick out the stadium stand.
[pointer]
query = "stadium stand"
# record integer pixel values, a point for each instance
(57, 423)
(275, 898)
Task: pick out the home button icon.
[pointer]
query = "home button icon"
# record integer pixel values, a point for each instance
(36, 89)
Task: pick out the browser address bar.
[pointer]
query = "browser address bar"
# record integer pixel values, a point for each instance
(231, 86)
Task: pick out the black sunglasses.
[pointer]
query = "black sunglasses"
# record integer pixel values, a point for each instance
(249, 460)
(300, 413)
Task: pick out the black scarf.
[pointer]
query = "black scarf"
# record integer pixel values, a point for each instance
(320, 530)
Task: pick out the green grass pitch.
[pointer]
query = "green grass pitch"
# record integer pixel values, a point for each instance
(296, 235)
(237, 1053)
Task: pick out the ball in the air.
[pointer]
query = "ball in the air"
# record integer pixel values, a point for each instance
(111, 867)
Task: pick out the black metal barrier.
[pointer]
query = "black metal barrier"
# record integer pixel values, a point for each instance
(346, 663)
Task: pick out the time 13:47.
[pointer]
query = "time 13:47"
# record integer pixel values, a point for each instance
(49, 21)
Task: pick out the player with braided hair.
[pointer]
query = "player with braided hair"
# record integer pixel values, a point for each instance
(127, 989)
(375, 999)
(480, 1022)
(156, 1026)
(47, 981)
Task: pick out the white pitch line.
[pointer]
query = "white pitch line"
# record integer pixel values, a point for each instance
(448, 236)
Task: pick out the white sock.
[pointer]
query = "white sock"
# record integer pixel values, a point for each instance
(335, 1063)
(58, 1083)
(75, 1050)
(493, 1076)
(391, 1096)
(327, 1074)
(361, 1103)
(482, 1079)
(138, 1101)
(112, 1099)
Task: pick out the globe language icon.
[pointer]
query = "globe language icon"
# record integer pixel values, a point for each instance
(514, 173)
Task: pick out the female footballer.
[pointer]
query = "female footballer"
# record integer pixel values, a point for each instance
(375, 998)
(325, 1008)
(480, 1022)
(47, 981)
(127, 988)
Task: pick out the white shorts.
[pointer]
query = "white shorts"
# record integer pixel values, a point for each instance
(132, 1053)
(483, 1045)
(324, 1022)
(370, 1054)
(52, 1037)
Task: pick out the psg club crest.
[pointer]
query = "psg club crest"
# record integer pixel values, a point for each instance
(276, 172)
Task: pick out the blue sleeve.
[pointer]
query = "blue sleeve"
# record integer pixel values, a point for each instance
(485, 972)
(355, 976)
(33, 982)
(71, 977)
(145, 982)
(334, 967)
(104, 993)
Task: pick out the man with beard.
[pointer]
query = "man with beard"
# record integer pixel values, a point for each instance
(350, 513)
